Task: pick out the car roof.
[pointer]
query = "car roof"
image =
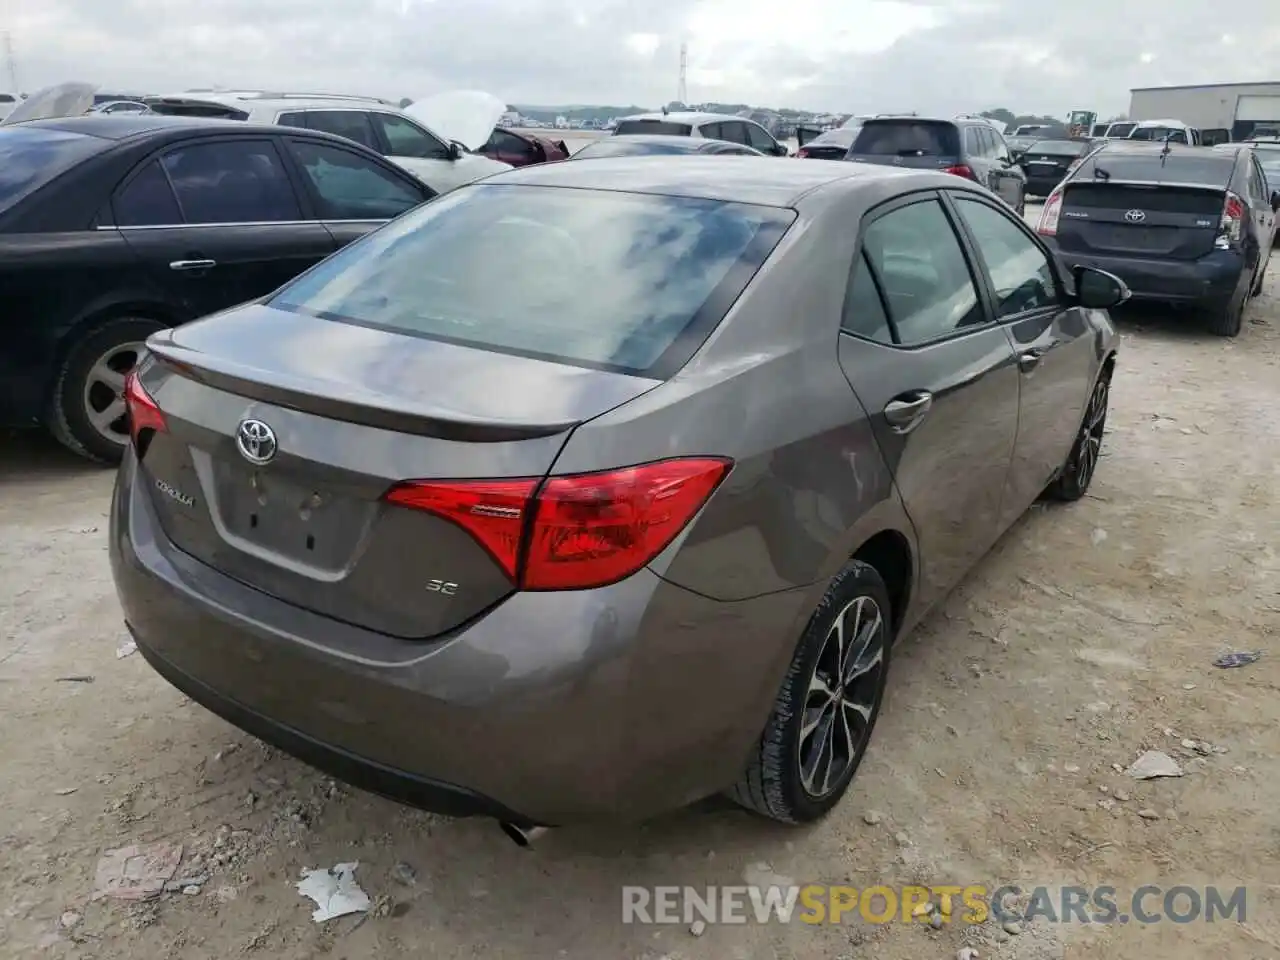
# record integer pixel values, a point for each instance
(126, 125)
(732, 179)
(250, 101)
(692, 117)
(1154, 148)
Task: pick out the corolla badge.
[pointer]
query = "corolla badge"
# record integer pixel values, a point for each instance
(1135, 216)
(256, 441)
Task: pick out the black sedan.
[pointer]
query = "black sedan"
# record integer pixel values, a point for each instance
(1046, 162)
(644, 144)
(112, 228)
(830, 145)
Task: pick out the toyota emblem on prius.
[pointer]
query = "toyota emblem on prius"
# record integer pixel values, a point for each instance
(256, 441)
(1135, 216)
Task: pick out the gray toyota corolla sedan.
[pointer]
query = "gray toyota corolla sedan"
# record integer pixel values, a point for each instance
(596, 488)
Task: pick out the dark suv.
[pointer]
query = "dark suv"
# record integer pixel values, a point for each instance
(1178, 224)
(972, 149)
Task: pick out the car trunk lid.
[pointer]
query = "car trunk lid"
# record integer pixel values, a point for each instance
(284, 433)
(1140, 219)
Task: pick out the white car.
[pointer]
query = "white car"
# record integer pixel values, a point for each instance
(710, 126)
(433, 138)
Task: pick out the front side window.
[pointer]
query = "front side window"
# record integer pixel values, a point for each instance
(1019, 269)
(351, 187)
(352, 124)
(622, 281)
(759, 138)
(407, 139)
(234, 181)
(921, 266)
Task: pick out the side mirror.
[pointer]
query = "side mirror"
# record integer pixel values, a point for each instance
(1275, 201)
(780, 150)
(1097, 289)
(455, 150)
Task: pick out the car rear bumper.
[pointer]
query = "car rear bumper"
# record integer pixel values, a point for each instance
(1210, 281)
(616, 703)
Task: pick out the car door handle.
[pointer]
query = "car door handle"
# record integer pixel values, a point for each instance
(905, 413)
(1030, 360)
(192, 264)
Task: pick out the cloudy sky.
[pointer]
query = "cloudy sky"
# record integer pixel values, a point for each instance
(1041, 56)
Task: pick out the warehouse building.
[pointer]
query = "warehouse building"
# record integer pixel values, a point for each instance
(1236, 107)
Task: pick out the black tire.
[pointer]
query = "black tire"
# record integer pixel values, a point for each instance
(77, 394)
(774, 783)
(1226, 321)
(1082, 462)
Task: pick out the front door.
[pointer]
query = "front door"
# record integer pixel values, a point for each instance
(218, 223)
(1050, 339)
(938, 379)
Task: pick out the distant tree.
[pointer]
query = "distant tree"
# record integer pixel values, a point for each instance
(404, 102)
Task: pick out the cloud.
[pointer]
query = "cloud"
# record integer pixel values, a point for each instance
(940, 56)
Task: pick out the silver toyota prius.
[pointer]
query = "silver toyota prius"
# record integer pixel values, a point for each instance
(597, 488)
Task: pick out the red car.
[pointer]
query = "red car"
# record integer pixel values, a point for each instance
(523, 149)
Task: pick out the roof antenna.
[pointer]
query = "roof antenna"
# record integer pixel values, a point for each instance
(1166, 149)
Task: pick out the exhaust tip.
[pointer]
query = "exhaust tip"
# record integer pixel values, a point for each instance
(521, 836)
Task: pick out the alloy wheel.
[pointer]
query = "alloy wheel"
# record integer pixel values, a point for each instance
(842, 697)
(1090, 442)
(104, 391)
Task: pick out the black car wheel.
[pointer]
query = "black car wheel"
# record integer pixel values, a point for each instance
(1082, 462)
(87, 413)
(828, 705)
(1225, 321)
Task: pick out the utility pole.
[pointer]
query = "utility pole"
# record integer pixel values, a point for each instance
(9, 64)
(682, 93)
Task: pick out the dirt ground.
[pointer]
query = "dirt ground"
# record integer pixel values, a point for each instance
(1086, 637)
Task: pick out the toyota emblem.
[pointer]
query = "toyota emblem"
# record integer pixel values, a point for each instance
(1135, 216)
(256, 441)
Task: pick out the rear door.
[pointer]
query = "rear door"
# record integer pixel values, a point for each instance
(1051, 339)
(938, 378)
(351, 192)
(218, 222)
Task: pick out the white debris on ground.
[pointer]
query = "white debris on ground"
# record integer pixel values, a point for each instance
(335, 892)
(136, 872)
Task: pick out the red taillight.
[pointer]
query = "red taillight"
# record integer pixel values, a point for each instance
(578, 531)
(1232, 226)
(802, 152)
(962, 170)
(1047, 226)
(144, 414)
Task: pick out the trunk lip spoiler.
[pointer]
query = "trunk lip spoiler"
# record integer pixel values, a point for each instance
(367, 409)
(1176, 184)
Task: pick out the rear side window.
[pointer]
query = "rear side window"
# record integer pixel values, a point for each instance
(1209, 168)
(1019, 269)
(296, 119)
(653, 126)
(972, 145)
(864, 314)
(917, 257)
(907, 138)
(147, 200)
(236, 181)
(351, 187)
(352, 124)
(31, 157)
(1120, 129)
(594, 278)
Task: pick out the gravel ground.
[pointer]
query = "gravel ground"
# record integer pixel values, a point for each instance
(1083, 639)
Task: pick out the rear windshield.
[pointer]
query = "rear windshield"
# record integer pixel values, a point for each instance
(907, 138)
(32, 156)
(1120, 129)
(196, 108)
(610, 147)
(1057, 148)
(653, 126)
(602, 279)
(1210, 167)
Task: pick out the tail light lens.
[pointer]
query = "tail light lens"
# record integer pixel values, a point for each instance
(573, 532)
(1231, 227)
(802, 152)
(144, 413)
(962, 170)
(1047, 226)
